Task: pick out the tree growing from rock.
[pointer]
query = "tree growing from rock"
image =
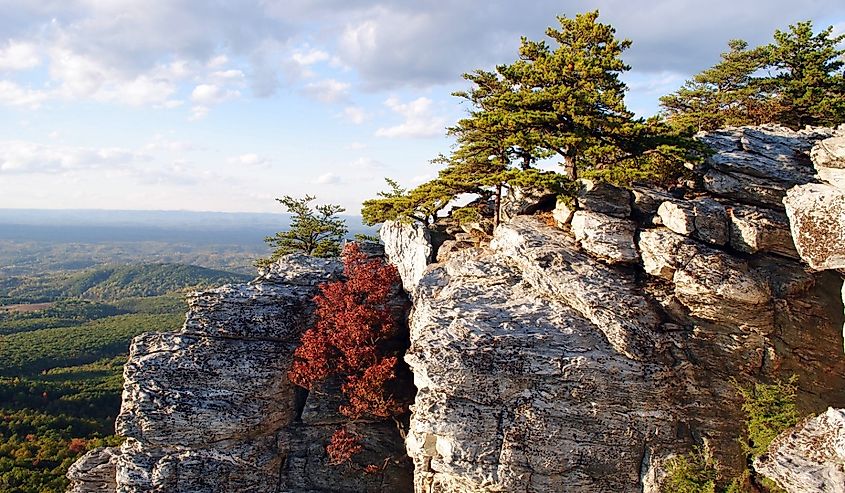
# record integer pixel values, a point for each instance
(560, 98)
(796, 80)
(355, 339)
(314, 230)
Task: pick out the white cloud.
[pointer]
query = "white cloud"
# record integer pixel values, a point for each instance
(229, 75)
(419, 120)
(205, 95)
(250, 159)
(355, 114)
(218, 61)
(355, 146)
(310, 56)
(327, 90)
(30, 157)
(17, 55)
(328, 179)
(13, 94)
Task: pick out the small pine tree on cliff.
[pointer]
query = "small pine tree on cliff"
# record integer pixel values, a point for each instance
(315, 231)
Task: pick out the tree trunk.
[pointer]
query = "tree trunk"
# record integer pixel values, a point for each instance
(569, 167)
(497, 214)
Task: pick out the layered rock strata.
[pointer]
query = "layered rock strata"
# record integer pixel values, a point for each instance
(548, 361)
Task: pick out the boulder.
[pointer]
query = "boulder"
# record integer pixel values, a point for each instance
(608, 238)
(678, 216)
(408, 246)
(712, 285)
(754, 229)
(519, 201)
(604, 198)
(563, 211)
(828, 157)
(757, 165)
(817, 221)
(809, 458)
(94, 472)
(703, 218)
(647, 200)
(711, 221)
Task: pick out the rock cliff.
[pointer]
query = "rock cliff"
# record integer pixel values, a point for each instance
(581, 358)
(573, 352)
(209, 409)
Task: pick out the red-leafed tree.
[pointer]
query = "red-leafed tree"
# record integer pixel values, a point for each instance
(354, 338)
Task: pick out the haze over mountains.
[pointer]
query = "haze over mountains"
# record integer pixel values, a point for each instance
(97, 225)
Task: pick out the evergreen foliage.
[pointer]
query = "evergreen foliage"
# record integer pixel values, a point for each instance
(796, 80)
(315, 231)
(694, 472)
(562, 97)
(770, 410)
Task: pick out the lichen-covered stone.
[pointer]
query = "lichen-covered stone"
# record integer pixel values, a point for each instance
(809, 458)
(606, 237)
(817, 220)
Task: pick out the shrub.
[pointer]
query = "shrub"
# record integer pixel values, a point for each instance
(355, 339)
(694, 472)
(770, 409)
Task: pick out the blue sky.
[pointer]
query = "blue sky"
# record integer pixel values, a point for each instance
(194, 105)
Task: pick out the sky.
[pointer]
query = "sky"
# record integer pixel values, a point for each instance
(225, 105)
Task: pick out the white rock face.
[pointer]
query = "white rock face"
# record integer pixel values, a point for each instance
(509, 372)
(606, 237)
(408, 246)
(829, 159)
(810, 458)
(520, 351)
(817, 220)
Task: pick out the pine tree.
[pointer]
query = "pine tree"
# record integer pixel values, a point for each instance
(797, 80)
(313, 231)
(810, 82)
(726, 94)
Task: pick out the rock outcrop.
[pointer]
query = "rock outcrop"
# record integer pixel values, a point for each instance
(210, 408)
(543, 363)
(577, 358)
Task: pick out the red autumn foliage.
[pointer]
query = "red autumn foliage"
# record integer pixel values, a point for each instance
(343, 446)
(77, 445)
(355, 324)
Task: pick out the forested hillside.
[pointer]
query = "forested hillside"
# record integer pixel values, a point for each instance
(64, 338)
(111, 283)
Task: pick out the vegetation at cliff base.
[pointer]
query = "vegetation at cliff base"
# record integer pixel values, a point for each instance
(694, 472)
(356, 340)
(796, 80)
(61, 360)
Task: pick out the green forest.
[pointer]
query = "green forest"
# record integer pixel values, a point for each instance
(64, 338)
